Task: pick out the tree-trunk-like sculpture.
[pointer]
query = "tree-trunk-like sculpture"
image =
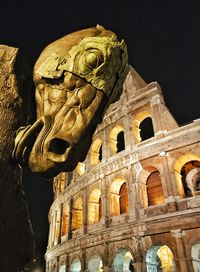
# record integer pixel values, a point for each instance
(16, 236)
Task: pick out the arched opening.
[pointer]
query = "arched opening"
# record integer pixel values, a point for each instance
(75, 265)
(160, 258)
(96, 152)
(123, 261)
(94, 206)
(95, 264)
(77, 214)
(154, 188)
(120, 142)
(57, 227)
(62, 268)
(187, 172)
(143, 126)
(65, 219)
(189, 186)
(118, 197)
(146, 129)
(116, 139)
(196, 256)
(81, 168)
(123, 198)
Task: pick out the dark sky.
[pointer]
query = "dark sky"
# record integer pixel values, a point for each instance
(163, 39)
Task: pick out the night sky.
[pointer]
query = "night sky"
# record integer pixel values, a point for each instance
(163, 39)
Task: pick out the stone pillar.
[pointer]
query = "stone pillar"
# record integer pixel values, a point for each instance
(178, 236)
(128, 131)
(138, 262)
(85, 211)
(105, 201)
(69, 235)
(61, 222)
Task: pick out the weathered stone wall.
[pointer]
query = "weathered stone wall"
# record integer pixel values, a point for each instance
(16, 235)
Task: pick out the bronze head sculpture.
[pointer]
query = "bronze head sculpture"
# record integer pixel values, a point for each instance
(77, 77)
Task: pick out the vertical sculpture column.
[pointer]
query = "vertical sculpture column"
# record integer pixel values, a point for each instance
(16, 236)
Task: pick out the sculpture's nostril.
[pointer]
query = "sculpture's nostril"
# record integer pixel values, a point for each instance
(58, 146)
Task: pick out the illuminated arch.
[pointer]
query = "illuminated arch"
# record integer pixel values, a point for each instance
(182, 168)
(123, 261)
(117, 204)
(94, 207)
(75, 265)
(137, 123)
(96, 151)
(77, 214)
(65, 219)
(160, 258)
(116, 139)
(95, 264)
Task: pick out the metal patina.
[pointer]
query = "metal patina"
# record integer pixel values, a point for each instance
(77, 77)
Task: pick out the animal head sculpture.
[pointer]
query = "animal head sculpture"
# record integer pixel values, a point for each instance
(77, 77)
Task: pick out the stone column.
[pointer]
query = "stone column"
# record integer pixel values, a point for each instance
(178, 236)
(69, 235)
(85, 211)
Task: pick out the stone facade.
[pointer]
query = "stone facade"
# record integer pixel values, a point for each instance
(134, 204)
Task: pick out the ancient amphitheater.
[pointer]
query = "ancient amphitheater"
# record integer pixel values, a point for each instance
(134, 204)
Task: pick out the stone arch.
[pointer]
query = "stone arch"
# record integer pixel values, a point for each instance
(95, 263)
(94, 206)
(184, 179)
(75, 265)
(148, 127)
(151, 191)
(116, 139)
(96, 152)
(117, 204)
(77, 214)
(123, 260)
(160, 258)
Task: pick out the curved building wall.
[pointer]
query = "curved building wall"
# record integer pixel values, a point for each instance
(135, 201)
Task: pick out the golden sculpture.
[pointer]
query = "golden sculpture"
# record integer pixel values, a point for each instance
(77, 77)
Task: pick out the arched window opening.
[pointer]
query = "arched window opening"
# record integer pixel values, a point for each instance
(190, 176)
(123, 193)
(120, 142)
(65, 219)
(118, 197)
(77, 214)
(154, 189)
(95, 264)
(160, 258)
(196, 256)
(123, 261)
(96, 152)
(116, 139)
(57, 228)
(94, 209)
(146, 129)
(75, 265)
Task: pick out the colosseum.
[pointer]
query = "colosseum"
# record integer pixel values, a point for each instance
(134, 204)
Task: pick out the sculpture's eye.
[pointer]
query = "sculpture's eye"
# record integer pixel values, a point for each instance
(93, 58)
(90, 59)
